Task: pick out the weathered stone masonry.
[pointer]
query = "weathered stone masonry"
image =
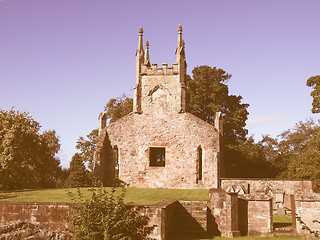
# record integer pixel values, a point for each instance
(159, 144)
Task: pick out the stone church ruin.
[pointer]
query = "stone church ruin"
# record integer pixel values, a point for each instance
(160, 144)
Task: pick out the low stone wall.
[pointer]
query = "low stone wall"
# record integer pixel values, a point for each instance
(263, 185)
(283, 188)
(52, 216)
(255, 215)
(161, 216)
(308, 214)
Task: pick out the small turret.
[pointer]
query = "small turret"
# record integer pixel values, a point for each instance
(102, 122)
(139, 63)
(146, 57)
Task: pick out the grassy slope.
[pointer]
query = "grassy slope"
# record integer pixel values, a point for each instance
(133, 195)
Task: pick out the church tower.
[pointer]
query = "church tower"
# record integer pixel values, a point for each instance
(160, 90)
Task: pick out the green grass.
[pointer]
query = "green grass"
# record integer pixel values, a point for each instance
(253, 238)
(141, 196)
(282, 218)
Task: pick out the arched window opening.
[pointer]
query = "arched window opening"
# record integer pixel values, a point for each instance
(116, 161)
(199, 163)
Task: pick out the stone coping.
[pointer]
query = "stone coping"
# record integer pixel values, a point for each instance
(255, 197)
(311, 197)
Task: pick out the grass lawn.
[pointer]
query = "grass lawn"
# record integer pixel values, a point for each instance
(282, 218)
(141, 196)
(253, 238)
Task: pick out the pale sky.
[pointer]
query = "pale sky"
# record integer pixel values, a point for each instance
(62, 60)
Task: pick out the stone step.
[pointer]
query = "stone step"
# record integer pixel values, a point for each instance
(191, 220)
(194, 215)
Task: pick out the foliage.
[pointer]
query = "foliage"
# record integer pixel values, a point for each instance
(86, 147)
(300, 151)
(77, 172)
(118, 107)
(250, 159)
(27, 158)
(105, 216)
(208, 93)
(314, 82)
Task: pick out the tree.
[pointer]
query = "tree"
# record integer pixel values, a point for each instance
(77, 172)
(86, 147)
(118, 107)
(208, 94)
(27, 158)
(314, 82)
(300, 152)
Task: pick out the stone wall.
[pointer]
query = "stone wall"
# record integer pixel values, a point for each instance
(280, 189)
(50, 216)
(224, 210)
(255, 215)
(181, 135)
(308, 214)
(53, 216)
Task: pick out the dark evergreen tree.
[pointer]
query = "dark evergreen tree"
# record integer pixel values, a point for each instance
(77, 172)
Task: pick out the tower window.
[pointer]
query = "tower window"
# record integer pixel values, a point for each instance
(157, 157)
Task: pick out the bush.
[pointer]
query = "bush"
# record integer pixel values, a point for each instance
(105, 216)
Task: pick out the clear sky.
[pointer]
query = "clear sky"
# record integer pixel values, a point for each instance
(62, 60)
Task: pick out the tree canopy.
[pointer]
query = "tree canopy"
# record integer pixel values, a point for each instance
(27, 157)
(86, 147)
(314, 82)
(208, 93)
(117, 108)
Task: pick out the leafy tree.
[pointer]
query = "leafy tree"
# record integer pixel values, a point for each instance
(105, 216)
(27, 157)
(118, 107)
(77, 172)
(208, 94)
(86, 147)
(300, 151)
(314, 82)
(250, 159)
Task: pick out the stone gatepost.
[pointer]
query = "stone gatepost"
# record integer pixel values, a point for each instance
(224, 212)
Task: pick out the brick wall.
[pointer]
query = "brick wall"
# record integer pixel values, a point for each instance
(307, 213)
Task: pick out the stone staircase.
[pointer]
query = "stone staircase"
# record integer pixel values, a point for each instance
(287, 230)
(190, 220)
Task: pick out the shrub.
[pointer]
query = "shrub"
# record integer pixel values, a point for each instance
(105, 216)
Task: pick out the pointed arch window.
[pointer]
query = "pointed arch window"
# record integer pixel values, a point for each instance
(199, 151)
(116, 160)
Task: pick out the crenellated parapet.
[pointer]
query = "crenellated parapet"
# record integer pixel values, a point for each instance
(163, 70)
